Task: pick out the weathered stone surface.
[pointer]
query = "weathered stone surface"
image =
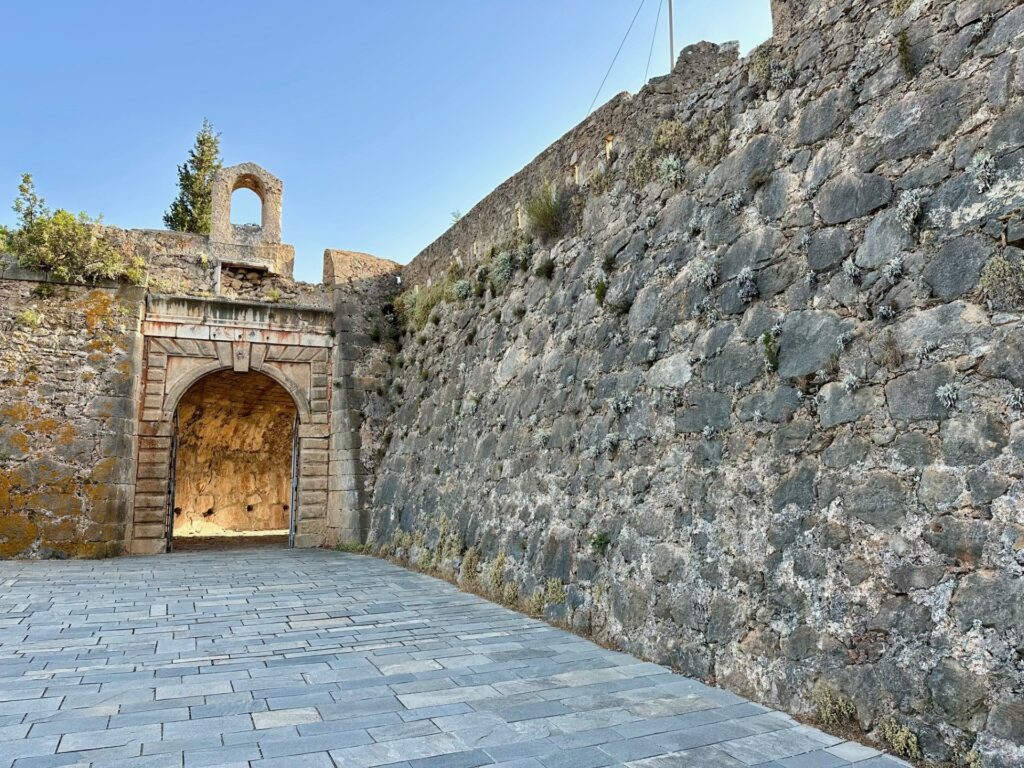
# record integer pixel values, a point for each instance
(958, 692)
(884, 239)
(845, 450)
(880, 500)
(920, 120)
(913, 397)
(939, 488)
(828, 247)
(989, 598)
(972, 439)
(908, 577)
(808, 341)
(840, 406)
(704, 409)
(756, 159)
(820, 119)
(670, 372)
(797, 489)
(1006, 721)
(956, 267)
(962, 540)
(1006, 359)
(852, 195)
(775, 406)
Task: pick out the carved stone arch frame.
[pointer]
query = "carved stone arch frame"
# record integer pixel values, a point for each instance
(178, 390)
(185, 340)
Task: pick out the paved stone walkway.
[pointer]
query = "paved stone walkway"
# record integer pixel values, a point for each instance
(313, 658)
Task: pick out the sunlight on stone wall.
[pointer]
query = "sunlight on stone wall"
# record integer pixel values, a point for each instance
(234, 456)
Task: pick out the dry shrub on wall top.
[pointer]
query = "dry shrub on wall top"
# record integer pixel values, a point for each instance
(67, 246)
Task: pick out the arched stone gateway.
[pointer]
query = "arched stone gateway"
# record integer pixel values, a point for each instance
(188, 341)
(304, 342)
(234, 452)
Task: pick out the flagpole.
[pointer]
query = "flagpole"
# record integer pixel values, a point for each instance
(671, 38)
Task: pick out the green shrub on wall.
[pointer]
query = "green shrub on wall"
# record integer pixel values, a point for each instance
(66, 245)
(547, 212)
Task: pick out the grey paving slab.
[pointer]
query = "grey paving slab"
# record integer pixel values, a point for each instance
(265, 658)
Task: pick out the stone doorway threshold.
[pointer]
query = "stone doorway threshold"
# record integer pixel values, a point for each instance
(219, 543)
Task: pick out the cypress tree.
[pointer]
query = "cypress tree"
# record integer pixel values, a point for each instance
(191, 209)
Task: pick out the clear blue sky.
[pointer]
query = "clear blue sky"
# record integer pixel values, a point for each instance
(381, 117)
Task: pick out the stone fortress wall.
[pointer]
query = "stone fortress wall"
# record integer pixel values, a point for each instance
(756, 413)
(760, 416)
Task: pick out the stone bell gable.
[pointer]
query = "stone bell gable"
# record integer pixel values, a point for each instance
(257, 247)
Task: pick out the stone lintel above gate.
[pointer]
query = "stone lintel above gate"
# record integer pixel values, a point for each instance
(220, 319)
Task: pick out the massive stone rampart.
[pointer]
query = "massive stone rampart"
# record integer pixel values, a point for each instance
(758, 413)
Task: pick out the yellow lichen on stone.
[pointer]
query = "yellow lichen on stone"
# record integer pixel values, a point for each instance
(17, 534)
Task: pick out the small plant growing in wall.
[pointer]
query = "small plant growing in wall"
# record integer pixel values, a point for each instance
(600, 542)
(1015, 400)
(890, 353)
(545, 268)
(546, 211)
(600, 292)
(707, 273)
(670, 170)
(502, 268)
(982, 169)
(770, 350)
(833, 709)
(901, 740)
(1002, 282)
(747, 285)
(906, 54)
(469, 568)
(29, 318)
(352, 547)
(852, 271)
(735, 203)
(908, 209)
(948, 395)
(893, 270)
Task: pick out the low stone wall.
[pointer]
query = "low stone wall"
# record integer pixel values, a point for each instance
(69, 366)
(757, 413)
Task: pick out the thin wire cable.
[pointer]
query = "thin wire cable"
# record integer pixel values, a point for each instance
(654, 37)
(616, 57)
